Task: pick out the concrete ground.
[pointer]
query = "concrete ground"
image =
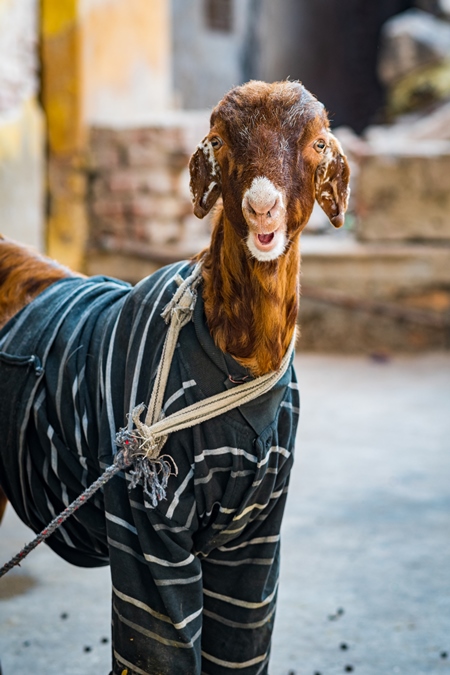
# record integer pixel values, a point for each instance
(365, 583)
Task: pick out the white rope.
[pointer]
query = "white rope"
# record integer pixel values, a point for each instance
(151, 435)
(177, 313)
(154, 436)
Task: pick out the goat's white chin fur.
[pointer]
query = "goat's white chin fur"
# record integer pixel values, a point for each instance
(273, 252)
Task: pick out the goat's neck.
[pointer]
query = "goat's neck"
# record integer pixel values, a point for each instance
(250, 306)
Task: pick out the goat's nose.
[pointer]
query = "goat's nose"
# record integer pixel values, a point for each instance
(262, 204)
(258, 207)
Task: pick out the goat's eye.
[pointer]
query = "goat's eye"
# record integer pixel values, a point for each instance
(320, 145)
(216, 142)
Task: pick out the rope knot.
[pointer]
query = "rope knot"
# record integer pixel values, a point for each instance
(147, 443)
(183, 302)
(127, 441)
(141, 448)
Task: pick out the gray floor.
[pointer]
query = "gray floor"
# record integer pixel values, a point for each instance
(365, 584)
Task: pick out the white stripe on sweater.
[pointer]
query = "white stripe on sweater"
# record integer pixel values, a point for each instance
(234, 664)
(225, 451)
(179, 581)
(241, 603)
(121, 522)
(154, 636)
(252, 542)
(167, 563)
(157, 615)
(178, 394)
(178, 493)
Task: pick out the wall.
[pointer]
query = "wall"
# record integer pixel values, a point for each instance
(332, 47)
(104, 63)
(126, 60)
(139, 205)
(21, 125)
(207, 63)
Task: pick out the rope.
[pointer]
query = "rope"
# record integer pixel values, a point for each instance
(141, 447)
(120, 463)
(148, 440)
(177, 313)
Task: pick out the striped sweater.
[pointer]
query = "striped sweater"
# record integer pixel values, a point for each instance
(194, 578)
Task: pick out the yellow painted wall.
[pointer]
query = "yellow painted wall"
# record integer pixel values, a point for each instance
(62, 85)
(103, 62)
(126, 59)
(62, 96)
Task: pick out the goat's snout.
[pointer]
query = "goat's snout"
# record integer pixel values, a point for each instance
(263, 205)
(265, 214)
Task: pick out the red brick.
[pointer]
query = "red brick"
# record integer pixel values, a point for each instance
(108, 208)
(104, 157)
(144, 155)
(124, 181)
(142, 206)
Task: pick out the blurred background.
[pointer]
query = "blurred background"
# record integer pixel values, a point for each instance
(103, 101)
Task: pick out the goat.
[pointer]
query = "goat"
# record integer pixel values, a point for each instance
(270, 153)
(195, 575)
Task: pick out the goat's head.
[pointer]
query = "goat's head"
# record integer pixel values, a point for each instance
(270, 153)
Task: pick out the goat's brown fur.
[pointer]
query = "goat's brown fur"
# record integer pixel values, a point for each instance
(267, 130)
(23, 275)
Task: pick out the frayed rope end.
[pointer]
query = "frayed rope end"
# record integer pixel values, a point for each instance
(153, 475)
(151, 472)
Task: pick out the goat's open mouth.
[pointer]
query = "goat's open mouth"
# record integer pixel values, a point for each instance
(266, 239)
(267, 246)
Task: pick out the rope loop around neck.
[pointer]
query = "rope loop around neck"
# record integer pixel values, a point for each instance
(143, 441)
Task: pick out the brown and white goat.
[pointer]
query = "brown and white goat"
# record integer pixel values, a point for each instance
(270, 154)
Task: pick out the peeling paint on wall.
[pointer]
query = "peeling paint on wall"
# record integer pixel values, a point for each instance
(21, 124)
(104, 62)
(18, 56)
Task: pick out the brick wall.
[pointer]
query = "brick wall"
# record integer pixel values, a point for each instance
(138, 197)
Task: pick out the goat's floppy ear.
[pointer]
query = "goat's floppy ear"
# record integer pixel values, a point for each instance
(205, 178)
(332, 183)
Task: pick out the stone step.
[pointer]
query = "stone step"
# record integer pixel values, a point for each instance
(402, 190)
(379, 270)
(381, 296)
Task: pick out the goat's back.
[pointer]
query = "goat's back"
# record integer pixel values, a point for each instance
(24, 273)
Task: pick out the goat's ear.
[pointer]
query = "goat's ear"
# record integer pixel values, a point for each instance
(205, 181)
(332, 183)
